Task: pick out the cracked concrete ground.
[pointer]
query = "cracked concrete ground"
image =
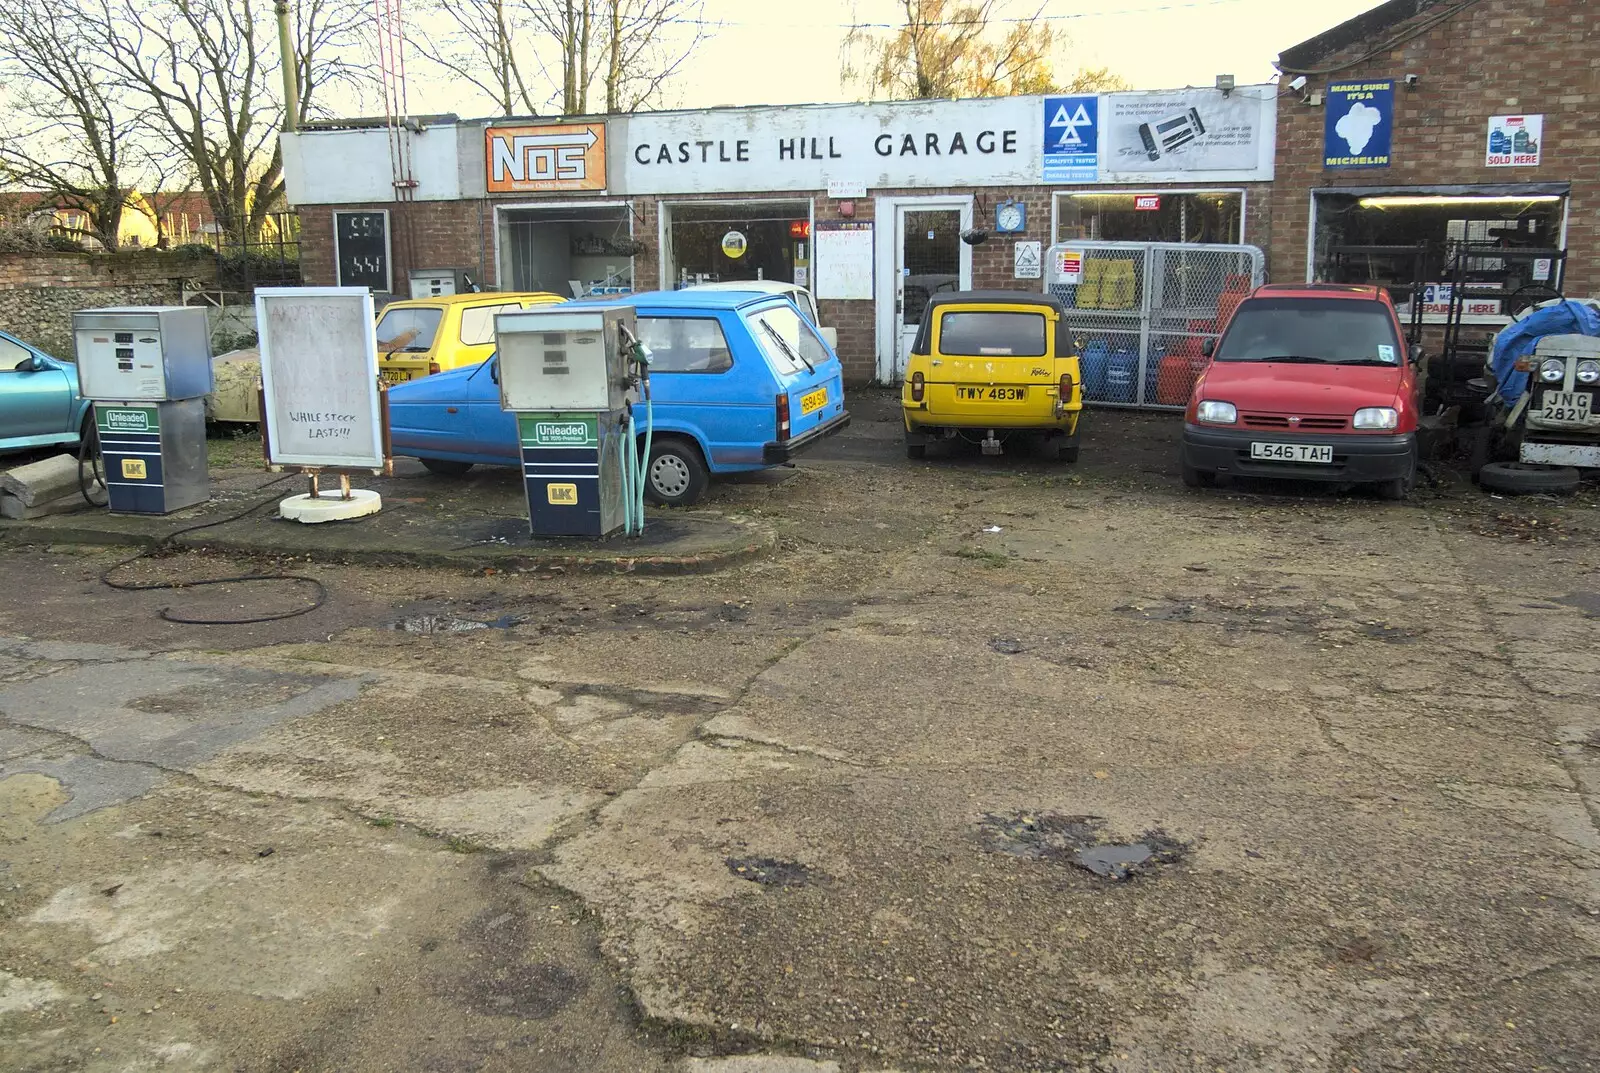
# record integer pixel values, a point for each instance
(809, 814)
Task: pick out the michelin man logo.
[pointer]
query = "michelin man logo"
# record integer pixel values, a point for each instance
(1356, 126)
(1069, 124)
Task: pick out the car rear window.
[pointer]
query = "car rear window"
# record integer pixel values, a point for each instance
(685, 345)
(1332, 330)
(993, 334)
(477, 322)
(787, 340)
(408, 330)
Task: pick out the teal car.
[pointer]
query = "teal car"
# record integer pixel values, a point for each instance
(39, 401)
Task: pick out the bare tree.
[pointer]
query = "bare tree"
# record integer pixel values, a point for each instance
(69, 132)
(205, 72)
(640, 60)
(529, 55)
(481, 45)
(961, 48)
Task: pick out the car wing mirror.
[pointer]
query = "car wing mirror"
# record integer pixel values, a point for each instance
(494, 370)
(830, 336)
(1208, 347)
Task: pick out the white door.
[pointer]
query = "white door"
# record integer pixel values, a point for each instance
(929, 259)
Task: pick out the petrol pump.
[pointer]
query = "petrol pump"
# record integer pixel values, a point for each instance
(574, 377)
(148, 370)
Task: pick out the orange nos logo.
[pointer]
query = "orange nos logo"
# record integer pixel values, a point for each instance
(558, 157)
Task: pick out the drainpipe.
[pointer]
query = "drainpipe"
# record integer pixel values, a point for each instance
(291, 89)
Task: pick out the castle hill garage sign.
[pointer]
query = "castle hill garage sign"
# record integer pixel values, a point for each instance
(922, 144)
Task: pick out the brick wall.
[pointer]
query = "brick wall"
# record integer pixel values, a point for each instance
(430, 234)
(39, 292)
(1497, 57)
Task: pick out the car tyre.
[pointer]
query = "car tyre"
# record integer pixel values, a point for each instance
(677, 475)
(1048, 448)
(444, 467)
(1522, 478)
(916, 450)
(1196, 478)
(1069, 448)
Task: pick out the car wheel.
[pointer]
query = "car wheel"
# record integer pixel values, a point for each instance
(916, 450)
(1196, 478)
(1069, 448)
(444, 467)
(1522, 478)
(676, 476)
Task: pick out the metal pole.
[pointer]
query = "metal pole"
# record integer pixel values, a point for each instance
(286, 58)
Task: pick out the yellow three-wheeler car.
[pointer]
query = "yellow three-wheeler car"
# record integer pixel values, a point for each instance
(990, 366)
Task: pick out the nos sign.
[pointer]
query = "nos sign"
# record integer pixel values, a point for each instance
(563, 157)
(1147, 202)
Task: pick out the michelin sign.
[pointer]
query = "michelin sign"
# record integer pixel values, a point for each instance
(1359, 125)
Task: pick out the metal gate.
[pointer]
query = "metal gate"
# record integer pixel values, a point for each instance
(1142, 310)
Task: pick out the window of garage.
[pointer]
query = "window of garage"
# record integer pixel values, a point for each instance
(1150, 216)
(1368, 235)
(716, 241)
(571, 249)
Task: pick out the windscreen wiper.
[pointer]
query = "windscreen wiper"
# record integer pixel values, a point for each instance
(1368, 361)
(1295, 359)
(787, 349)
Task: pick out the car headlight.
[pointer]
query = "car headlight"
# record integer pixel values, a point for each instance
(1551, 370)
(1376, 417)
(1588, 372)
(1211, 412)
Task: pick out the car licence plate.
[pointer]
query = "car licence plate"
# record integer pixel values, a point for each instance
(812, 401)
(1293, 452)
(1566, 406)
(394, 376)
(992, 394)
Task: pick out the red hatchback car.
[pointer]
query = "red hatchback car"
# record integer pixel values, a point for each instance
(1310, 381)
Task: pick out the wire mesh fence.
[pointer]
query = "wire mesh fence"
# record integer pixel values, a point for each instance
(1142, 312)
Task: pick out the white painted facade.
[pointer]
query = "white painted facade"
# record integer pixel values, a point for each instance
(905, 145)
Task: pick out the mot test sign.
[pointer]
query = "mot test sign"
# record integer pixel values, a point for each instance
(319, 372)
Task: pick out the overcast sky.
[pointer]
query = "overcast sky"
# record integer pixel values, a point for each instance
(787, 51)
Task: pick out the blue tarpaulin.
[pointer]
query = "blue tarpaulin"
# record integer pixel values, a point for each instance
(1518, 340)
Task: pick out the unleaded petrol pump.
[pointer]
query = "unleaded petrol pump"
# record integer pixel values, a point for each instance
(148, 370)
(574, 376)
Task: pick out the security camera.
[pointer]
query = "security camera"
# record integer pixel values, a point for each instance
(1411, 81)
(1297, 83)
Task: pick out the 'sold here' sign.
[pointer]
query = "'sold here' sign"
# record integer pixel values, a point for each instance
(319, 371)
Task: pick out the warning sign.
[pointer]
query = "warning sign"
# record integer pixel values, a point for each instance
(1026, 258)
(1069, 266)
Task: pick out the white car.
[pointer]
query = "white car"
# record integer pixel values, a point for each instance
(797, 294)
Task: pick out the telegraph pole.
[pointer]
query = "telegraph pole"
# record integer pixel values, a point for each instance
(291, 87)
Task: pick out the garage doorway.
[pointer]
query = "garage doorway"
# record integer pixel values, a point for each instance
(923, 256)
(572, 248)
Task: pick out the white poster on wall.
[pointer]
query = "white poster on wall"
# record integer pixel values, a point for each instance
(319, 370)
(1515, 141)
(1026, 260)
(1171, 135)
(843, 252)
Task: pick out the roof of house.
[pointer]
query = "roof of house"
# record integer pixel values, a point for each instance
(1371, 28)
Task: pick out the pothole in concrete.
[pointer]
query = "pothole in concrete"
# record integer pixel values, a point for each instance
(1081, 841)
(772, 872)
(1265, 618)
(210, 697)
(452, 624)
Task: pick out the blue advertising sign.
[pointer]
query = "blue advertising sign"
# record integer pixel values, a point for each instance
(1072, 139)
(1358, 125)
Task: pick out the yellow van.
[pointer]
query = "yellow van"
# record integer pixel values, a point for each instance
(990, 367)
(421, 336)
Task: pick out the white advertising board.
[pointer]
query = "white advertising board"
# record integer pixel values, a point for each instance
(319, 369)
(1184, 134)
(843, 260)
